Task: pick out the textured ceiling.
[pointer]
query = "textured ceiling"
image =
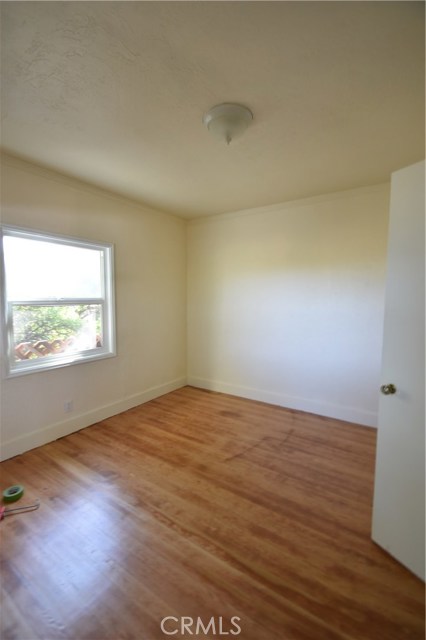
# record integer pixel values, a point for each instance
(114, 93)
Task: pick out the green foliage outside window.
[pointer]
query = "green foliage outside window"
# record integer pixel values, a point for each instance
(33, 323)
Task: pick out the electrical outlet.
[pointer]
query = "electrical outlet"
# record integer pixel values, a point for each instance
(68, 406)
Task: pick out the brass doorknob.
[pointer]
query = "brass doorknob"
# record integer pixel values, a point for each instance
(388, 389)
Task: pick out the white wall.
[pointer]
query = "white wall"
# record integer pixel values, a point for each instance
(150, 269)
(285, 303)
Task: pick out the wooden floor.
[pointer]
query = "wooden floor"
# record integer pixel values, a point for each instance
(206, 506)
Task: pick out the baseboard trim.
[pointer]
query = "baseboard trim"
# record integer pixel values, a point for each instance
(52, 432)
(340, 412)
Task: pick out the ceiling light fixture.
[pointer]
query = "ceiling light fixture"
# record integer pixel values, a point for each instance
(228, 121)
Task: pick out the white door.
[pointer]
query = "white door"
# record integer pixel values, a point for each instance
(399, 494)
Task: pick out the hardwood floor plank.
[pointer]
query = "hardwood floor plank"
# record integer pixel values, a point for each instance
(201, 504)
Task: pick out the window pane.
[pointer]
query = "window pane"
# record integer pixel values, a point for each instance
(42, 331)
(38, 269)
(58, 300)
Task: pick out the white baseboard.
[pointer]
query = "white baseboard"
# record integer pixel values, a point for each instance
(340, 412)
(37, 438)
(54, 431)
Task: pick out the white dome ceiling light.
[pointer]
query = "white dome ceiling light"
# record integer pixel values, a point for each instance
(227, 121)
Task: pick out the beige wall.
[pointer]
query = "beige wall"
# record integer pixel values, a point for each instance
(285, 303)
(150, 270)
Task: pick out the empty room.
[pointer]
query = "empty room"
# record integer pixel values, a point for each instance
(212, 320)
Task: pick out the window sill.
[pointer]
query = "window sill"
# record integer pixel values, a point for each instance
(25, 368)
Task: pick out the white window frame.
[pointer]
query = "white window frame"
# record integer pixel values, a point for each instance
(106, 301)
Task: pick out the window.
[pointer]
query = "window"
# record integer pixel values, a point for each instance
(58, 300)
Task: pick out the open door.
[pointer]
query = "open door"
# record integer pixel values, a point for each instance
(399, 495)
